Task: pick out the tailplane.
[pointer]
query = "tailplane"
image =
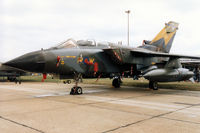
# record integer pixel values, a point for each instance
(163, 41)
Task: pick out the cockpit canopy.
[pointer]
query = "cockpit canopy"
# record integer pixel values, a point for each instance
(86, 43)
(71, 43)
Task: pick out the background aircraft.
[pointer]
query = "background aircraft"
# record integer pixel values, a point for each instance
(193, 65)
(90, 59)
(11, 73)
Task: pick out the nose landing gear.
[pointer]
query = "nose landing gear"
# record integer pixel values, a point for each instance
(76, 90)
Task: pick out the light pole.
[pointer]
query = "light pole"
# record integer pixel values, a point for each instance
(128, 12)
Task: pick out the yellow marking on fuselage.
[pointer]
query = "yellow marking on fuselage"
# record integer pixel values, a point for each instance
(62, 62)
(79, 59)
(70, 56)
(91, 60)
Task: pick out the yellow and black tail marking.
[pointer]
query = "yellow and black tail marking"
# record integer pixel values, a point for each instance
(165, 37)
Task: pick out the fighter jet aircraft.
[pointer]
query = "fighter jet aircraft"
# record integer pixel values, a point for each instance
(91, 59)
(190, 62)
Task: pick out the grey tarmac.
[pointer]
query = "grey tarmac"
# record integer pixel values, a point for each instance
(48, 108)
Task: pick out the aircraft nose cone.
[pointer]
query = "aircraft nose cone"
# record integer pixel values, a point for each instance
(33, 62)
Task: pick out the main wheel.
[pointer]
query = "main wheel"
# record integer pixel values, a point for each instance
(153, 85)
(79, 90)
(116, 82)
(76, 90)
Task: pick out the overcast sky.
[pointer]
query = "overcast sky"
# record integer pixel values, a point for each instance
(29, 25)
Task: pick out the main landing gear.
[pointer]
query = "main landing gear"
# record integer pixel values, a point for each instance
(153, 85)
(76, 90)
(116, 82)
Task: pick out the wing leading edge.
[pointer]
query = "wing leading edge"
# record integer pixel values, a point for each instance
(147, 53)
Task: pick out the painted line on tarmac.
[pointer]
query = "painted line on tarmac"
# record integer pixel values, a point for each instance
(6, 119)
(156, 116)
(67, 93)
(145, 104)
(26, 89)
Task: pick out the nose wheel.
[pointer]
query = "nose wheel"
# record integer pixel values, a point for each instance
(76, 91)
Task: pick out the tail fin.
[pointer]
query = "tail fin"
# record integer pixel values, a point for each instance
(163, 40)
